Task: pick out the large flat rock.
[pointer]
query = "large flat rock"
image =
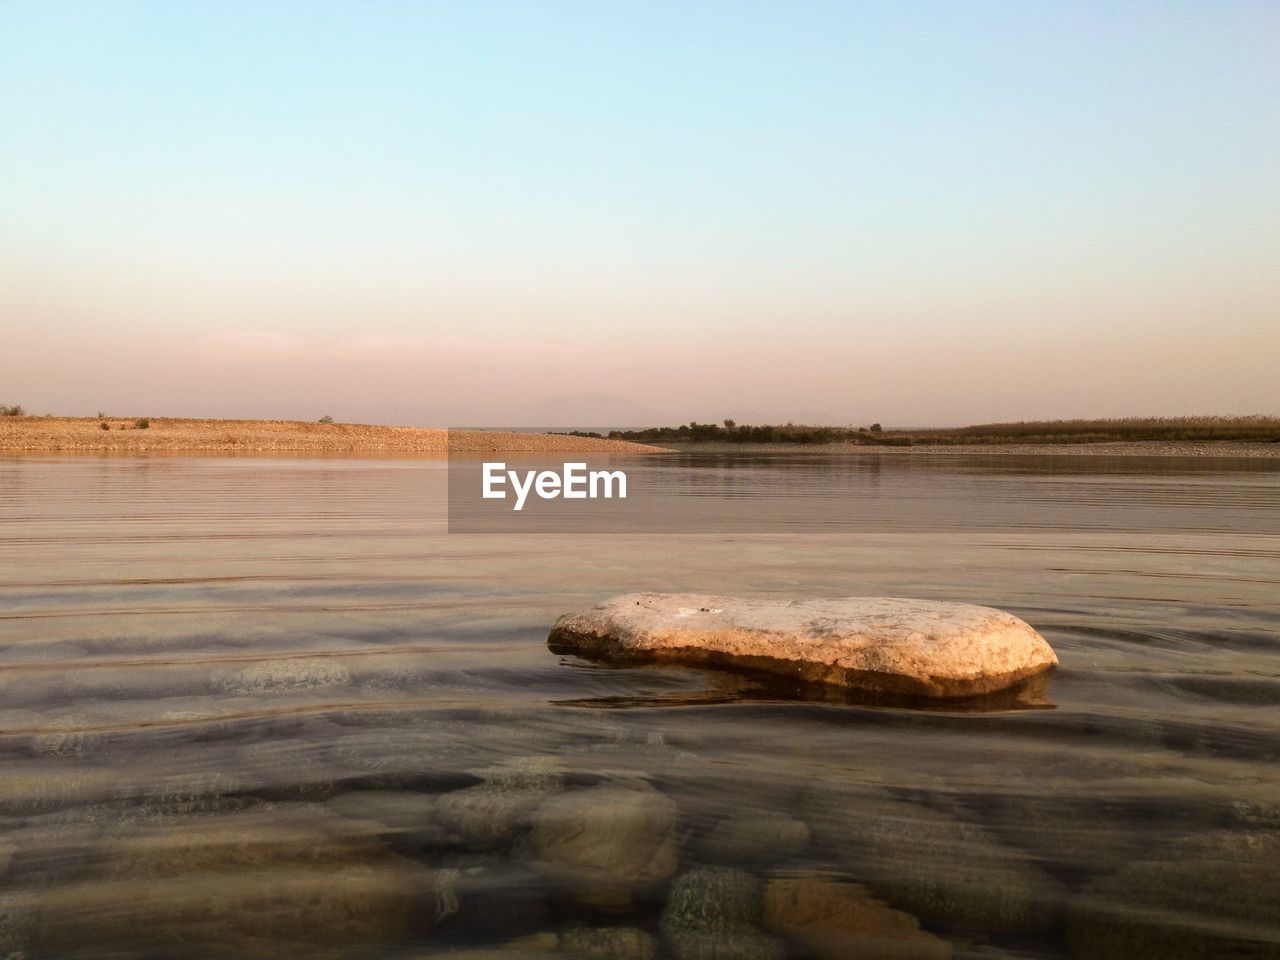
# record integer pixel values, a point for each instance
(882, 644)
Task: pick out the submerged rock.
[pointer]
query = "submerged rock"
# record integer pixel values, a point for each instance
(17, 918)
(765, 836)
(190, 794)
(609, 943)
(985, 951)
(879, 644)
(262, 883)
(498, 899)
(605, 844)
(1077, 836)
(1256, 813)
(286, 675)
(68, 738)
(1213, 895)
(713, 913)
(499, 808)
(947, 871)
(535, 946)
(833, 920)
(405, 816)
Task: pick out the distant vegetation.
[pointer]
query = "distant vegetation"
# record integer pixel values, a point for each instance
(1169, 429)
(1172, 429)
(731, 432)
(14, 411)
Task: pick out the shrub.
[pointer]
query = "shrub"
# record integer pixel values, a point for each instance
(14, 411)
(876, 428)
(104, 425)
(142, 423)
(325, 419)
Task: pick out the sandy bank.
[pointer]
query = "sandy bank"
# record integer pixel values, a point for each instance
(178, 435)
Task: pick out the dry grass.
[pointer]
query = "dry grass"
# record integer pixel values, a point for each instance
(179, 435)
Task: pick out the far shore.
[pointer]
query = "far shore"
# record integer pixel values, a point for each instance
(1121, 448)
(301, 438)
(179, 435)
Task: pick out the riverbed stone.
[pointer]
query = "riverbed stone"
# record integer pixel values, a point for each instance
(1256, 813)
(396, 809)
(406, 817)
(950, 872)
(496, 898)
(1078, 837)
(987, 951)
(71, 737)
(17, 920)
(605, 844)
(753, 838)
(1208, 895)
(286, 675)
(534, 946)
(882, 645)
(497, 809)
(835, 919)
(608, 943)
(289, 879)
(713, 913)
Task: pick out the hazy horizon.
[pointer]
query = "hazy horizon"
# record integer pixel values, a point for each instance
(560, 214)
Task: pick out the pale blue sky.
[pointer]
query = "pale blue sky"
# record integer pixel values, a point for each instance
(444, 212)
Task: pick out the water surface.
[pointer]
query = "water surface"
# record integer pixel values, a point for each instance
(268, 707)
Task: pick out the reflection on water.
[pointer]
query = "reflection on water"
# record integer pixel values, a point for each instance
(262, 708)
(815, 492)
(767, 687)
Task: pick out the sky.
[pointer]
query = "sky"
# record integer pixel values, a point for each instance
(606, 214)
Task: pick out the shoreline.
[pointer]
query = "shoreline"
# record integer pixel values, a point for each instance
(1115, 448)
(179, 435)
(186, 435)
